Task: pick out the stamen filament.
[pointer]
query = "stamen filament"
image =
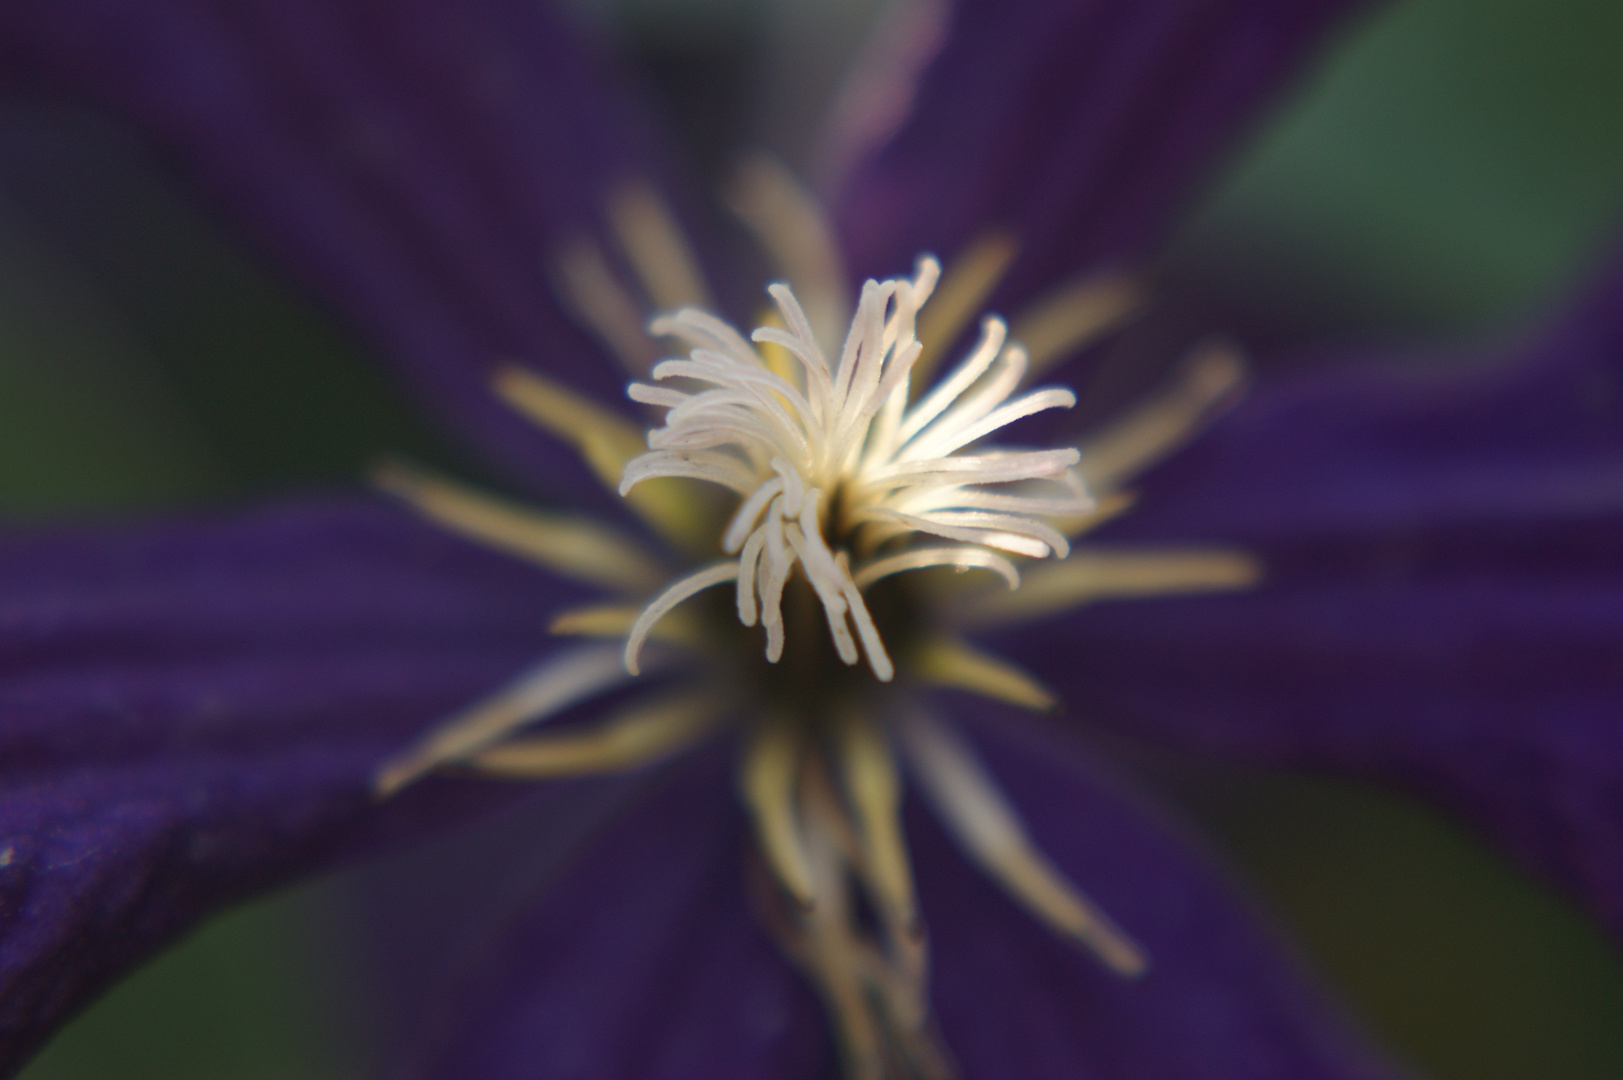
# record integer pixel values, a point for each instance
(665, 601)
(616, 621)
(871, 783)
(989, 831)
(600, 301)
(1074, 315)
(956, 664)
(960, 558)
(1211, 375)
(1096, 575)
(993, 333)
(604, 440)
(652, 240)
(550, 687)
(574, 546)
(767, 780)
(634, 737)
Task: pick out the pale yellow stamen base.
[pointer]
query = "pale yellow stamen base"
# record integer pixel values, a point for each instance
(652, 239)
(990, 832)
(959, 666)
(598, 300)
(835, 956)
(767, 783)
(631, 738)
(874, 789)
(606, 442)
(873, 981)
(552, 686)
(617, 620)
(574, 546)
(1092, 575)
(1076, 314)
(1208, 379)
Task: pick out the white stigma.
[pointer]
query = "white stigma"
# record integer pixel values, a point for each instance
(810, 446)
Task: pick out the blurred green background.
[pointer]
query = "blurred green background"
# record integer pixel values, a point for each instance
(1447, 173)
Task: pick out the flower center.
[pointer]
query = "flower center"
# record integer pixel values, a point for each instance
(842, 477)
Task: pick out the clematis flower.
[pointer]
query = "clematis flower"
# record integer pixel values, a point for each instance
(852, 849)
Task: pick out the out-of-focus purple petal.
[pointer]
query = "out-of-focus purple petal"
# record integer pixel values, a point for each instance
(417, 165)
(1442, 610)
(1222, 999)
(1487, 682)
(643, 961)
(195, 710)
(1080, 126)
(1535, 437)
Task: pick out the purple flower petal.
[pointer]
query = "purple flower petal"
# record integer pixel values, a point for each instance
(1486, 681)
(1222, 1000)
(1080, 126)
(643, 961)
(1443, 606)
(416, 165)
(193, 711)
(1533, 436)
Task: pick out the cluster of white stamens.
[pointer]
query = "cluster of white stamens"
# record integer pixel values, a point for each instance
(791, 439)
(841, 472)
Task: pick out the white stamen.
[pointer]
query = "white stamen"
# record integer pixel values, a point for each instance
(748, 514)
(747, 563)
(834, 606)
(665, 601)
(992, 334)
(878, 659)
(960, 558)
(823, 452)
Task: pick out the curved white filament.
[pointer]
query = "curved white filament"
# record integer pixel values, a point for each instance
(665, 601)
(820, 452)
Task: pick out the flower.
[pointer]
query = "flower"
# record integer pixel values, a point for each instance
(200, 709)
